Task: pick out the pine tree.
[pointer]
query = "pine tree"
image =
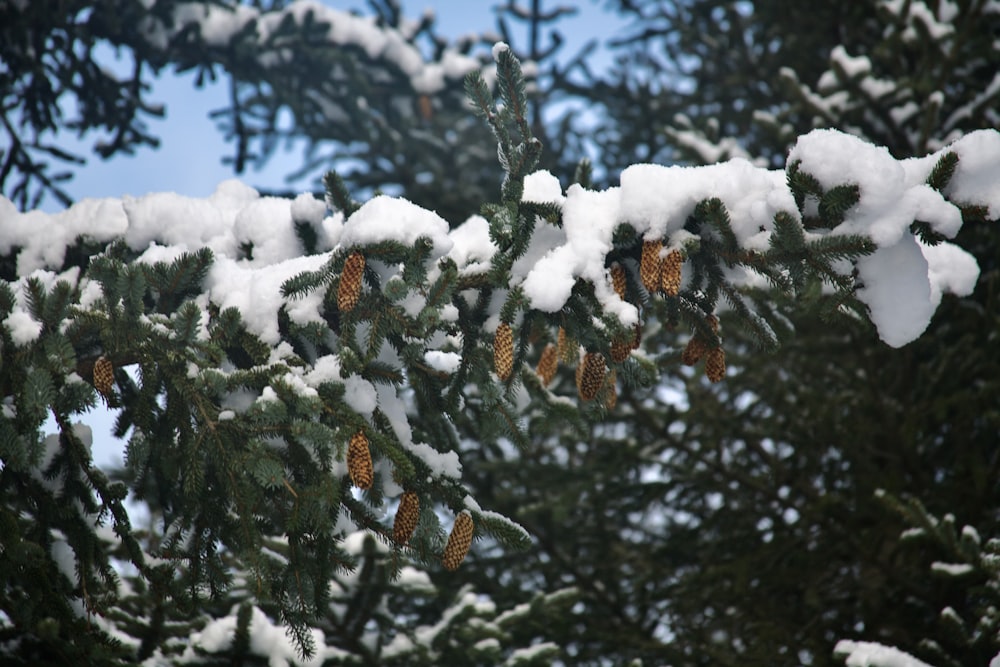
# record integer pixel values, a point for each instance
(241, 407)
(963, 581)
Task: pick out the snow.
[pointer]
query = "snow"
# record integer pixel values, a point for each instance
(256, 292)
(100, 219)
(218, 25)
(898, 291)
(870, 654)
(472, 249)
(952, 569)
(852, 66)
(266, 639)
(950, 269)
(976, 179)
(23, 328)
(385, 218)
(359, 393)
(530, 653)
(890, 200)
(657, 200)
(902, 281)
(444, 362)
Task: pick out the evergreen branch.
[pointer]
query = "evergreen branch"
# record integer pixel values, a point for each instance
(751, 321)
(943, 170)
(510, 82)
(802, 185)
(337, 195)
(925, 232)
(713, 212)
(835, 203)
(584, 174)
(479, 94)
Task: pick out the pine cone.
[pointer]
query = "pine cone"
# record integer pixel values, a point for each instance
(670, 277)
(620, 350)
(650, 266)
(503, 351)
(349, 289)
(618, 280)
(359, 461)
(637, 339)
(104, 376)
(715, 364)
(407, 516)
(694, 350)
(611, 395)
(459, 541)
(713, 322)
(591, 375)
(566, 348)
(547, 364)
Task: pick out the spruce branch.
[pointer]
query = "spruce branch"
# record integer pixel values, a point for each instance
(943, 170)
(835, 203)
(337, 195)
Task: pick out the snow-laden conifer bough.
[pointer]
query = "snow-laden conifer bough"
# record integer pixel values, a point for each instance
(315, 342)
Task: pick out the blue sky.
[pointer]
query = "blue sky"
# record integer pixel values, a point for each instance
(189, 160)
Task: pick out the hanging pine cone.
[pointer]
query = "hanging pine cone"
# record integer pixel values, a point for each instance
(359, 461)
(503, 351)
(620, 350)
(694, 350)
(566, 348)
(713, 322)
(407, 516)
(637, 338)
(591, 374)
(715, 364)
(618, 280)
(547, 364)
(459, 541)
(349, 289)
(650, 265)
(670, 276)
(611, 393)
(104, 376)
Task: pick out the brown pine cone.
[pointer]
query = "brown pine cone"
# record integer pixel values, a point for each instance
(459, 541)
(650, 266)
(694, 350)
(547, 364)
(611, 395)
(503, 351)
(670, 277)
(407, 516)
(104, 376)
(620, 350)
(359, 461)
(566, 348)
(592, 370)
(349, 289)
(618, 280)
(715, 364)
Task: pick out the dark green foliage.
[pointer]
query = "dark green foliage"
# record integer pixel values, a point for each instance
(943, 171)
